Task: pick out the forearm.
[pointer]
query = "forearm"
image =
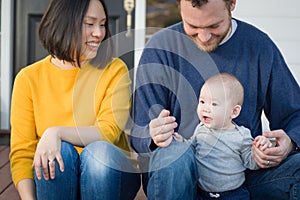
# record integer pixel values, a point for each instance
(78, 136)
(26, 189)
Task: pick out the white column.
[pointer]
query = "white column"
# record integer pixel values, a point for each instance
(140, 31)
(6, 67)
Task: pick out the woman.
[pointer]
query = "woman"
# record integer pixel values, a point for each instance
(69, 111)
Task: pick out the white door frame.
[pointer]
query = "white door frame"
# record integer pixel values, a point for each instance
(140, 31)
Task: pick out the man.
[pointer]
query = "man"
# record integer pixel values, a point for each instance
(173, 67)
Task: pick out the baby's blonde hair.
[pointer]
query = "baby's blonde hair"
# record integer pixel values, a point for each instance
(231, 85)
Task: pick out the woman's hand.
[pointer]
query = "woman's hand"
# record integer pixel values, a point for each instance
(47, 153)
(273, 156)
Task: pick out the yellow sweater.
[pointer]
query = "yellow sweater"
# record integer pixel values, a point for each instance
(45, 96)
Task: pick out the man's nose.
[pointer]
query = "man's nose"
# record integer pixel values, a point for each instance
(204, 35)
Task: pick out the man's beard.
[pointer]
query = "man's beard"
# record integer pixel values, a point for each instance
(211, 47)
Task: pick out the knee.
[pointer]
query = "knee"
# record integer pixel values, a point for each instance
(103, 156)
(177, 156)
(176, 160)
(292, 165)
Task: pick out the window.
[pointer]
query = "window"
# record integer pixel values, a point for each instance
(160, 14)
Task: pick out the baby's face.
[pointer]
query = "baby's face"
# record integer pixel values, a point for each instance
(214, 108)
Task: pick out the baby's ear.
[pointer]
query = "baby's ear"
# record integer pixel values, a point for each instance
(236, 111)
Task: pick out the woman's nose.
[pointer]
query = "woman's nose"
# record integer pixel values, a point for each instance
(97, 31)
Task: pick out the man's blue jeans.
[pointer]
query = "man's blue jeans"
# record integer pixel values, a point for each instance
(101, 171)
(281, 182)
(171, 173)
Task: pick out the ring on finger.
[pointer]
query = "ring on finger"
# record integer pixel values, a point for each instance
(268, 163)
(50, 161)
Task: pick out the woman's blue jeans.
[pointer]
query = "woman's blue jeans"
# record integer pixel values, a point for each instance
(101, 171)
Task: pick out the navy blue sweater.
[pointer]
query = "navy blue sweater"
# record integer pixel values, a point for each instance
(172, 70)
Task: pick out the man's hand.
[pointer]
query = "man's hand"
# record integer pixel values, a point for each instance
(273, 156)
(162, 128)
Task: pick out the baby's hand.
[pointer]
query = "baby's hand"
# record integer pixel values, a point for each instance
(262, 142)
(177, 137)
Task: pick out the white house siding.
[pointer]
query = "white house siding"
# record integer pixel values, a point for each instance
(280, 20)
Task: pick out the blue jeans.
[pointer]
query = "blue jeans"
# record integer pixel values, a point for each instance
(281, 182)
(171, 173)
(101, 171)
(178, 178)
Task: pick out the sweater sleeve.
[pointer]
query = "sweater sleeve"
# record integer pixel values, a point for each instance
(246, 149)
(113, 111)
(101, 98)
(23, 130)
(282, 106)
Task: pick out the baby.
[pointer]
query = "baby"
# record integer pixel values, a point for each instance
(222, 148)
